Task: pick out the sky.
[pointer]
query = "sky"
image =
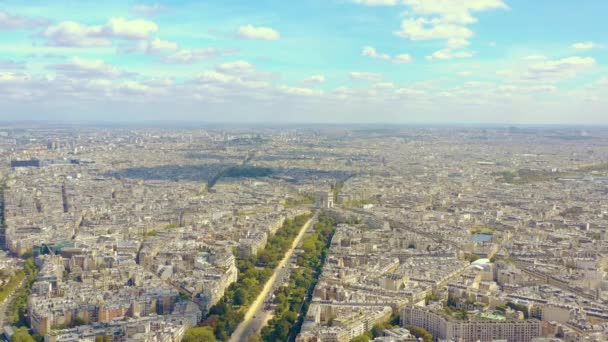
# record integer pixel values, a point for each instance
(318, 61)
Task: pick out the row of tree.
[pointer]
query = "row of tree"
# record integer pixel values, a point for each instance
(18, 307)
(13, 282)
(292, 300)
(307, 199)
(254, 272)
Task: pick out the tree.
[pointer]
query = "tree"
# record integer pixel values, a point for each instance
(471, 257)
(199, 334)
(431, 297)
(519, 307)
(250, 283)
(220, 331)
(361, 338)
(240, 297)
(308, 245)
(264, 257)
(254, 338)
(219, 309)
(462, 314)
(210, 321)
(78, 321)
(22, 335)
(420, 333)
(377, 330)
(395, 320)
(282, 331)
(452, 302)
(232, 319)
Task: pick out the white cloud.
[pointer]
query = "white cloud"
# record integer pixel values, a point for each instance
(602, 82)
(535, 57)
(377, 2)
(136, 88)
(214, 76)
(130, 29)
(219, 82)
(365, 76)
(429, 29)
(74, 34)
(8, 64)
(584, 45)
(171, 52)
(384, 85)
(555, 70)
(444, 20)
(246, 72)
(235, 67)
(315, 79)
(157, 46)
(371, 52)
(458, 12)
(262, 33)
(299, 91)
(403, 59)
(409, 92)
(88, 68)
(9, 77)
(506, 73)
(15, 22)
(543, 88)
(448, 54)
(71, 33)
(191, 55)
(225, 97)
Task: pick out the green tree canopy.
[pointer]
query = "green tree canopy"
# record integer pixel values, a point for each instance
(22, 335)
(240, 297)
(361, 338)
(420, 333)
(199, 334)
(255, 338)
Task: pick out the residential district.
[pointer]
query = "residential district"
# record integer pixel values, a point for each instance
(308, 234)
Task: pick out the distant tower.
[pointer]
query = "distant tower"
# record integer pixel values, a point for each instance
(52, 145)
(330, 199)
(325, 199)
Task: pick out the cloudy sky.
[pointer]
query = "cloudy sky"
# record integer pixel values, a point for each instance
(356, 61)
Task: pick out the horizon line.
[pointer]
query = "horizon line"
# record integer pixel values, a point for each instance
(79, 122)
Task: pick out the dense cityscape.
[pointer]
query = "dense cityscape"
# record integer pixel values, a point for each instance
(304, 233)
(303, 171)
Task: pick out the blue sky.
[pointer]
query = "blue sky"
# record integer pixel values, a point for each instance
(356, 61)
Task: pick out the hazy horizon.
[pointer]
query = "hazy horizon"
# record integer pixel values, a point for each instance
(167, 123)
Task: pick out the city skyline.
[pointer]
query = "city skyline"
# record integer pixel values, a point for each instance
(339, 61)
